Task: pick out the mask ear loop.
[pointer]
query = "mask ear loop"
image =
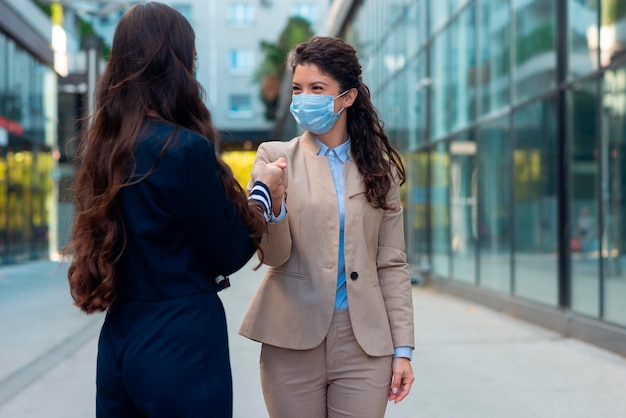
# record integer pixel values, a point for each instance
(336, 97)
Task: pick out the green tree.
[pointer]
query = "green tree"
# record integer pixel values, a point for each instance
(613, 11)
(270, 72)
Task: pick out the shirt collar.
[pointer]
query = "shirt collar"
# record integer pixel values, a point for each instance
(341, 150)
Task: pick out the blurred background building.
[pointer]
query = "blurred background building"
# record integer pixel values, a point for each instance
(229, 35)
(28, 121)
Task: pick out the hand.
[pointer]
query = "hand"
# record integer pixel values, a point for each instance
(273, 175)
(401, 380)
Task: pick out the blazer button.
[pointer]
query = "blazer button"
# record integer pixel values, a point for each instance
(354, 275)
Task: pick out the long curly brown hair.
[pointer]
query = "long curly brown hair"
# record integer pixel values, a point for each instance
(373, 154)
(149, 73)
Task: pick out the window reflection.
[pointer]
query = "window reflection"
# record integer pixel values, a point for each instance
(612, 33)
(416, 209)
(535, 202)
(584, 205)
(439, 195)
(493, 68)
(534, 47)
(463, 207)
(461, 86)
(583, 37)
(440, 97)
(27, 109)
(614, 202)
(494, 231)
(439, 13)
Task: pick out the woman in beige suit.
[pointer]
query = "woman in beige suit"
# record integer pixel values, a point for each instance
(334, 311)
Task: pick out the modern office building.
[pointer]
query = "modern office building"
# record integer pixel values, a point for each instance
(28, 118)
(228, 42)
(511, 118)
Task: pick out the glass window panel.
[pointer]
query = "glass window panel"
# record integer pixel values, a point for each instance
(3, 75)
(4, 219)
(461, 85)
(612, 33)
(584, 205)
(494, 20)
(240, 14)
(392, 105)
(439, 13)
(17, 210)
(241, 60)
(583, 37)
(535, 202)
(494, 220)
(417, 206)
(463, 207)
(240, 105)
(439, 204)
(41, 193)
(415, 27)
(440, 97)
(417, 111)
(457, 4)
(534, 47)
(613, 152)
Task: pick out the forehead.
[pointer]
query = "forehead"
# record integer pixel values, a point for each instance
(311, 73)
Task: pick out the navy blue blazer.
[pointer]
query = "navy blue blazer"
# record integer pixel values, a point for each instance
(163, 348)
(181, 230)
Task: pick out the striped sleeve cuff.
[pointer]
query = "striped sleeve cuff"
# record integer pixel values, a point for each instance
(260, 192)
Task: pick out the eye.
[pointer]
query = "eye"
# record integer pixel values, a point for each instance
(296, 89)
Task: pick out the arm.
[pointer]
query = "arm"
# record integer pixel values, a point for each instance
(396, 287)
(205, 213)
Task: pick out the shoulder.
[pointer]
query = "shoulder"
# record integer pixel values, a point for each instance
(279, 148)
(177, 139)
(279, 145)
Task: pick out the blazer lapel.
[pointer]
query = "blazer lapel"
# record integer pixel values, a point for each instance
(318, 169)
(352, 178)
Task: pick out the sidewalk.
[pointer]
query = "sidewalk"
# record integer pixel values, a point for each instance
(470, 362)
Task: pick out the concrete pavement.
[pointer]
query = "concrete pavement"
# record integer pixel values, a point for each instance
(470, 362)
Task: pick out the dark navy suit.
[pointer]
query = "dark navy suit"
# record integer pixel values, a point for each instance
(163, 348)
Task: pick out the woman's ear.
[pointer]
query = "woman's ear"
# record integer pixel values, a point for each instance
(350, 97)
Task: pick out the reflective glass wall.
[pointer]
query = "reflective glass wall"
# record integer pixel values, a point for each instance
(27, 126)
(513, 141)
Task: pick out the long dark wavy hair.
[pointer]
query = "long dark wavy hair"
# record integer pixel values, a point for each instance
(373, 154)
(149, 73)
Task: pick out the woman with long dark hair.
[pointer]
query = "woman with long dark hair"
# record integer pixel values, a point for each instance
(334, 312)
(160, 223)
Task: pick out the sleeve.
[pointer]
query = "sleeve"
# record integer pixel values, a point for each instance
(393, 272)
(276, 242)
(207, 216)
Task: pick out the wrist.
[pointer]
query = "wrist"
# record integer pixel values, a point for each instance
(260, 193)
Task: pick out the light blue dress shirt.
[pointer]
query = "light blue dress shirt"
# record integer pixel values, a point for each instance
(336, 157)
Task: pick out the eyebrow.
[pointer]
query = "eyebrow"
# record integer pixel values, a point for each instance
(311, 84)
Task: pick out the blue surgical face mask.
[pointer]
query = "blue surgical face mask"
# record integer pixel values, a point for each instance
(315, 112)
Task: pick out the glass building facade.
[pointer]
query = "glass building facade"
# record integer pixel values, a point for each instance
(27, 134)
(511, 118)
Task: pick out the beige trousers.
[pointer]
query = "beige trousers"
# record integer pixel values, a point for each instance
(335, 379)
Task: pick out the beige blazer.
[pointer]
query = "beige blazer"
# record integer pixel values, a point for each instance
(294, 304)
